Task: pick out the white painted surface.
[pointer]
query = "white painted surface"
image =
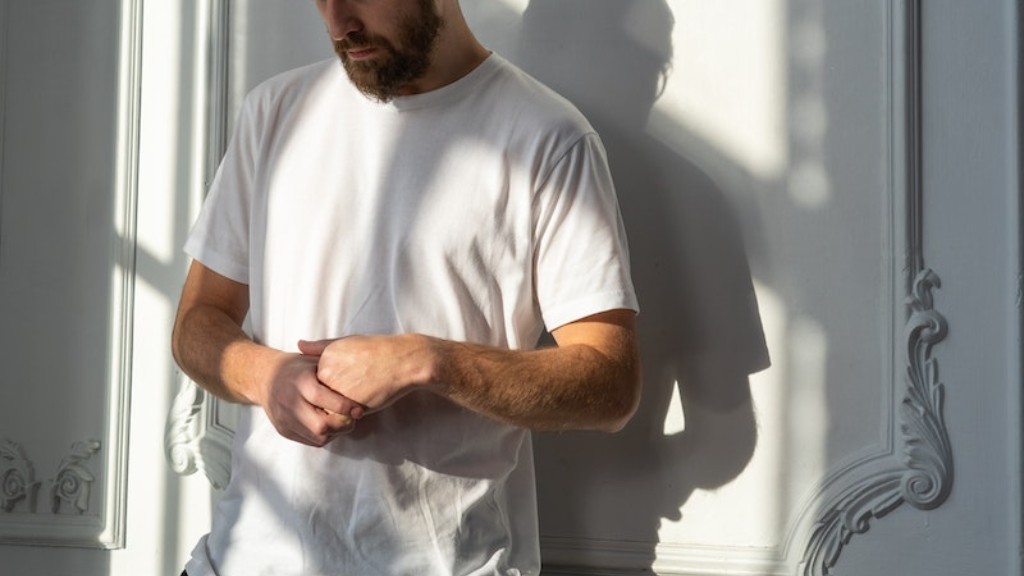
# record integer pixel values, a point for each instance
(769, 155)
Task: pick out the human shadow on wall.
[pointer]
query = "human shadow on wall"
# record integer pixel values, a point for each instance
(699, 325)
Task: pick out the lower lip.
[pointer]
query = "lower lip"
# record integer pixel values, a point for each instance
(361, 54)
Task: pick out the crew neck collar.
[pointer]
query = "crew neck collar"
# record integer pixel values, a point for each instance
(440, 96)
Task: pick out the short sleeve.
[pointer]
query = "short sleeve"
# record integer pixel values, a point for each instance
(220, 236)
(581, 252)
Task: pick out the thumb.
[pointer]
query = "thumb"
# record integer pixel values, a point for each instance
(314, 348)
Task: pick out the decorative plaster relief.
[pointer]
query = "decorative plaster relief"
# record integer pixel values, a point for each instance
(181, 437)
(196, 438)
(926, 477)
(70, 488)
(73, 483)
(18, 477)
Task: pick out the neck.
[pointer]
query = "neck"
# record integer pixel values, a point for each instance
(456, 53)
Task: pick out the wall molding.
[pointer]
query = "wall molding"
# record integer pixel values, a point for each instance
(4, 23)
(922, 475)
(199, 428)
(122, 336)
(84, 504)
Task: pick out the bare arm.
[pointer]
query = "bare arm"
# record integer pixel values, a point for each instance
(591, 380)
(210, 346)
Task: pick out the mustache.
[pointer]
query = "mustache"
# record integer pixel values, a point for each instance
(358, 41)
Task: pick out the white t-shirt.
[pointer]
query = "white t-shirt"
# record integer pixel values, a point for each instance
(482, 211)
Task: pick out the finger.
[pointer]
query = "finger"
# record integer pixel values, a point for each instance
(303, 422)
(319, 427)
(323, 397)
(313, 348)
(293, 431)
(299, 429)
(339, 423)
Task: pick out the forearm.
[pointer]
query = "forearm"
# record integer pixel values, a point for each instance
(213, 350)
(567, 387)
(591, 380)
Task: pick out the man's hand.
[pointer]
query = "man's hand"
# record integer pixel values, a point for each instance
(210, 346)
(301, 408)
(373, 371)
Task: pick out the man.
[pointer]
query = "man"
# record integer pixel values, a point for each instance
(400, 230)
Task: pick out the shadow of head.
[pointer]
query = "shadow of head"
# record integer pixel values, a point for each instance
(610, 57)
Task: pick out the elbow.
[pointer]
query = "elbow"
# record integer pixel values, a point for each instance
(626, 402)
(622, 415)
(178, 341)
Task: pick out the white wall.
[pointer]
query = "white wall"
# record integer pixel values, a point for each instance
(763, 144)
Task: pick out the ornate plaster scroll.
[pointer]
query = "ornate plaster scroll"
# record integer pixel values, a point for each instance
(182, 434)
(70, 489)
(926, 477)
(72, 486)
(17, 476)
(196, 439)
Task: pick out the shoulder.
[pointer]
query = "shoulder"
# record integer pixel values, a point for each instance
(537, 99)
(533, 111)
(283, 90)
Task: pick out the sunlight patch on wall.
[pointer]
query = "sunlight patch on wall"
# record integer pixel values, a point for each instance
(238, 84)
(809, 184)
(744, 512)
(788, 404)
(727, 82)
(519, 6)
(808, 419)
(160, 132)
(675, 418)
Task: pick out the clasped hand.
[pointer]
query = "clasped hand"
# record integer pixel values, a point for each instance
(321, 393)
(373, 371)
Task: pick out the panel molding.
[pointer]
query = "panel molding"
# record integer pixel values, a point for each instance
(922, 474)
(4, 23)
(199, 428)
(85, 501)
(122, 336)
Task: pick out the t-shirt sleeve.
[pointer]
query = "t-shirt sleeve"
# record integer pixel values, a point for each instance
(582, 257)
(220, 236)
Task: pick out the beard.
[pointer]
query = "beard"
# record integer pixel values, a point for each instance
(384, 76)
